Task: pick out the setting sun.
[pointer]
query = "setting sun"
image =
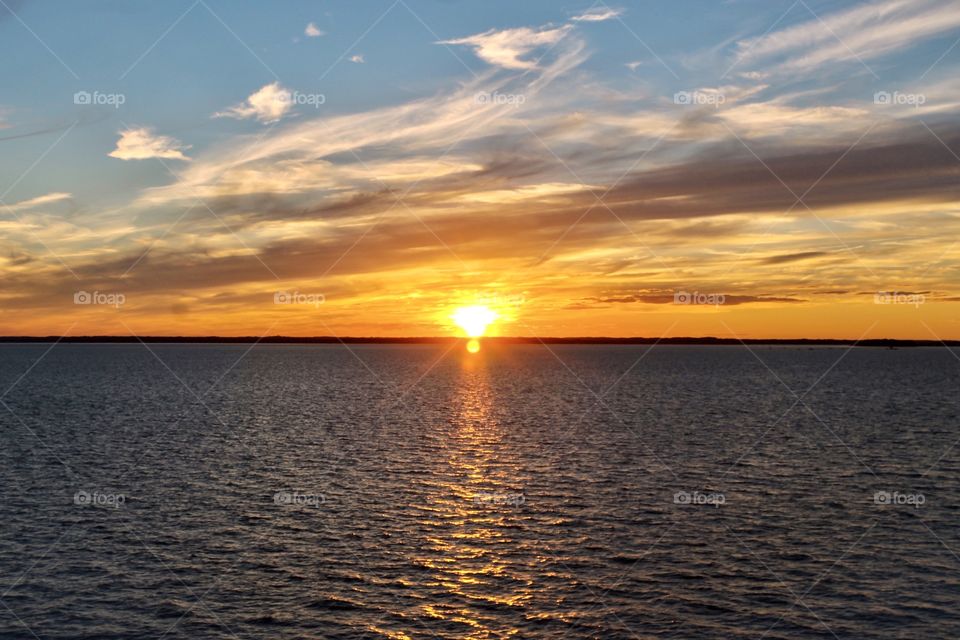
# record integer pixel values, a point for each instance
(474, 320)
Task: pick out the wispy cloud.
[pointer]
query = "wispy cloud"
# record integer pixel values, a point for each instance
(507, 48)
(667, 296)
(313, 31)
(357, 59)
(268, 104)
(296, 158)
(794, 257)
(142, 143)
(598, 14)
(863, 32)
(41, 200)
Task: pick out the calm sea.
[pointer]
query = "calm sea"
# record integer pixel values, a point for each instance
(211, 491)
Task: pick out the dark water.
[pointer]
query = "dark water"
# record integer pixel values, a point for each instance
(394, 491)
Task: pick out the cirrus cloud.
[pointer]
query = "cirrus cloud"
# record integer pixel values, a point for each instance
(858, 33)
(506, 48)
(56, 196)
(598, 14)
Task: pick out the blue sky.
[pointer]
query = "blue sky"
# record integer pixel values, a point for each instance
(206, 121)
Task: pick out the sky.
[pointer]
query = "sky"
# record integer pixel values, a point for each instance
(737, 168)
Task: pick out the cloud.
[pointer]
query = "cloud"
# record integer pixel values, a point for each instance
(309, 172)
(268, 104)
(141, 143)
(866, 31)
(794, 257)
(321, 205)
(312, 31)
(40, 201)
(317, 155)
(358, 58)
(914, 167)
(506, 48)
(38, 132)
(777, 119)
(667, 297)
(598, 14)
(633, 66)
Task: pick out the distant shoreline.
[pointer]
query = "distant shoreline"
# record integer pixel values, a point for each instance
(702, 341)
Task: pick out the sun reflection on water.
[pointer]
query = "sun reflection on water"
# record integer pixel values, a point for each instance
(468, 551)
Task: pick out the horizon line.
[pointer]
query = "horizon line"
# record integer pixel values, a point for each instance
(600, 340)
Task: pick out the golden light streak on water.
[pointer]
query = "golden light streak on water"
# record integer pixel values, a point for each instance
(468, 551)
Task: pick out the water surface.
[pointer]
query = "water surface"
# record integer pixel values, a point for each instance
(407, 491)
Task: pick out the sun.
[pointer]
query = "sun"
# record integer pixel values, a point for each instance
(474, 320)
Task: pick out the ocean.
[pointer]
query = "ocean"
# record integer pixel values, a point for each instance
(527, 491)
